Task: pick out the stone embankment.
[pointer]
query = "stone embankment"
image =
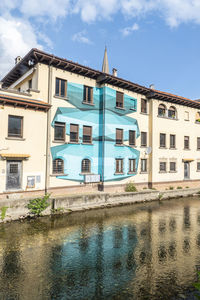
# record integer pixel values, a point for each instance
(16, 209)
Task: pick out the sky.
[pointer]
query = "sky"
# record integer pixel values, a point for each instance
(148, 41)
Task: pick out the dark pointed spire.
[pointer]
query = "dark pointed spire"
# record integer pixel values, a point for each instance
(105, 66)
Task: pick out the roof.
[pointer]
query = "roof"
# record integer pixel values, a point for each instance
(14, 155)
(23, 102)
(35, 56)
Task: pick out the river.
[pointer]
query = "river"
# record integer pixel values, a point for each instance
(142, 251)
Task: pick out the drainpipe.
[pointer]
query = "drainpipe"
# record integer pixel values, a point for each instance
(103, 138)
(48, 135)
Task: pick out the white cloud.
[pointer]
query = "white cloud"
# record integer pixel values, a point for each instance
(81, 37)
(17, 37)
(128, 30)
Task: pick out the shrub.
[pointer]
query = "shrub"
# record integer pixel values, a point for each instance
(154, 189)
(38, 205)
(3, 212)
(130, 187)
(144, 188)
(197, 286)
(171, 187)
(187, 187)
(179, 187)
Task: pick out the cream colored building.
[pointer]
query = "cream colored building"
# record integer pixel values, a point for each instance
(103, 131)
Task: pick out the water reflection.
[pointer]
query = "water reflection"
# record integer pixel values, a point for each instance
(147, 251)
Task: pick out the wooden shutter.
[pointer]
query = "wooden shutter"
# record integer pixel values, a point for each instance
(119, 99)
(119, 136)
(73, 128)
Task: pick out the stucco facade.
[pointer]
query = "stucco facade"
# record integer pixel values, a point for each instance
(165, 151)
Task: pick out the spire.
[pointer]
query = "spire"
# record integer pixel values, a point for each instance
(105, 66)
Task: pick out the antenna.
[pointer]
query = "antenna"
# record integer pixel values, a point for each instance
(148, 150)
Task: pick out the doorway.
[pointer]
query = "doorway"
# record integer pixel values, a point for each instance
(186, 170)
(14, 175)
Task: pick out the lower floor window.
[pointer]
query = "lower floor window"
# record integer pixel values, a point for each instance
(198, 166)
(86, 166)
(58, 166)
(143, 165)
(119, 166)
(163, 166)
(132, 165)
(172, 166)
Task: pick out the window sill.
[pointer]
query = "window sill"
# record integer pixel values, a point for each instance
(172, 171)
(196, 122)
(118, 173)
(86, 173)
(133, 109)
(73, 143)
(143, 172)
(162, 172)
(172, 148)
(143, 113)
(89, 144)
(162, 147)
(119, 145)
(60, 97)
(132, 146)
(58, 174)
(91, 104)
(198, 149)
(198, 171)
(187, 149)
(15, 138)
(186, 120)
(168, 118)
(143, 146)
(33, 90)
(58, 142)
(132, 173)
(122, 108)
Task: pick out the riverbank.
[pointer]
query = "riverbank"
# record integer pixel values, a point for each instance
(16, 209)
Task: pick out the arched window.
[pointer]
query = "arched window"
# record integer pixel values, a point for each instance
(86, 166)
(161, 110)
(198, 117)
(58, 166)
(172, 112)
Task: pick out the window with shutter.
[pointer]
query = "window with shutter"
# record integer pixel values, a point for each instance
(198, 143)
(119, 100)
(74, 133)
(131, 137)
(58, 166)
(143, 139)
(186, 142)
(88, 94)
(162, 140)
(87, 134)
(119, 165)
(61, 87)
(86, 166)
(59, 131)
(144, 106)
(132, 165)
(119, 136)
(172, 141)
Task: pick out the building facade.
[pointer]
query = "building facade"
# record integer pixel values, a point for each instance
(103, 131)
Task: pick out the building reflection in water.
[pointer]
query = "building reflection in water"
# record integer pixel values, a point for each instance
(137, 252)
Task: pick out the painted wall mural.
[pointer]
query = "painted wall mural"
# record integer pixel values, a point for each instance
(95, 115)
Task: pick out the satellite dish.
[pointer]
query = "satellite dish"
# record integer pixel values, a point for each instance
(148, 150)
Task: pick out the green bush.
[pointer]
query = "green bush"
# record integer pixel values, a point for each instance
(179, 187)
(38, 205)
(154, 189)
(197, 285)
(130, 187)
(171, 187)
(3, 212)
(187, 187)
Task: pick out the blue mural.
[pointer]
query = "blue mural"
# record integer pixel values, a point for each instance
(102, 111)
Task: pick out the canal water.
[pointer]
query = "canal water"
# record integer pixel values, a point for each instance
(143, 251)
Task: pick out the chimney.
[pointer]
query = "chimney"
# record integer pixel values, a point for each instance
(18, 59)
(114, 72)
(152, 86)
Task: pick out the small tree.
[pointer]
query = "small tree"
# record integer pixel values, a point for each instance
(130, 187)
(38, 205)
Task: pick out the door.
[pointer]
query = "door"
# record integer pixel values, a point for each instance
(186, 170)
(14, 175)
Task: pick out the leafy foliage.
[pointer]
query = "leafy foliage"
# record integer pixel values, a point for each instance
(179, 187)
(3, 212)
(197, 286)
(130, 187)
(38, 205)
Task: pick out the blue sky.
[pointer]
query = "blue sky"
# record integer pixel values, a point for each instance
(148, 41)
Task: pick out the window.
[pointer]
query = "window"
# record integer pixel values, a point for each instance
(144, 106)
(58, 166)
(172, 166)
(161, 110)
(119, 136)
(172, 112)
(86, 166)
(186, 116)
(162, 140)
(172, 141)
(119, 165)
(74, 133)
(186, 142)
(163, 166)
(119, 100)
(59, 131)
(132, 165)
(30, 84)
(198, 143)
(15, 126)
(143, 165)
(198, 117)
(61, 87)
(87, 134)
(198, 166)
(88, 94)
(131, 137)
(143, 139)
